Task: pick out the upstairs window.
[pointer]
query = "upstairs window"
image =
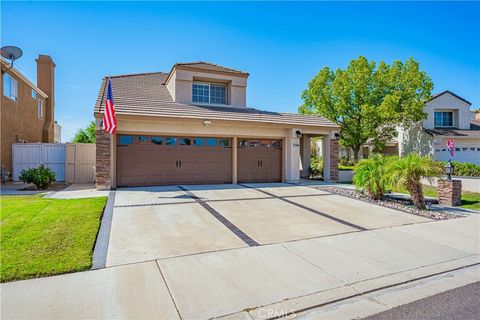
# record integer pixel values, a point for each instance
(212, 93)
(443, 119)
(34, 94)
(10, 87)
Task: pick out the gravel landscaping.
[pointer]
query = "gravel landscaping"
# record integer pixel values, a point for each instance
(389, 203)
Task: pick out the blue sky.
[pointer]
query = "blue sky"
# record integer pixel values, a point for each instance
(282, 45)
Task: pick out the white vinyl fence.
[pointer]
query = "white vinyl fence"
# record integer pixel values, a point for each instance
(73, 163)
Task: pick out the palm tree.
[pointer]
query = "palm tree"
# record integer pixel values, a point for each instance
(370, 175)
(408, 171)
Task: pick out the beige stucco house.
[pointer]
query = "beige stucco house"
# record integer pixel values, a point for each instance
(449, 117)
(192, 126)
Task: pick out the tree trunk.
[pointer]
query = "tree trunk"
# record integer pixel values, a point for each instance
(416, 192)
(356, 150)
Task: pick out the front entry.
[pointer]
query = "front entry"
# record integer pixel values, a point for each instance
(259, 160)
(167, 160)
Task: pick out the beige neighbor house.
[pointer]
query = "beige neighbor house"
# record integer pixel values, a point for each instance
(192, 126)
(449, 117)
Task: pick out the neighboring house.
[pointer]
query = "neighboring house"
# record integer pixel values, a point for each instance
(57, 129)
(449, 117)
(27, 110)
(192, 126)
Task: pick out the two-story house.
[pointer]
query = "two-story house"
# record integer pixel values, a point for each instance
(449, 117)
(192, 126)
(27, 110)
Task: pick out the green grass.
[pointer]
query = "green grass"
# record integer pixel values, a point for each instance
(42, 237)
(470, 200)
(344, 167)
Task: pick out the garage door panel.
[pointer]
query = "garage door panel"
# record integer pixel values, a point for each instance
(259, 160)
(151, 164)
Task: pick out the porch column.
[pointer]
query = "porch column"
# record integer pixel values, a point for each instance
(103, 160)
(234, 159)
(305, 155)
(330, 157)
(292, 155)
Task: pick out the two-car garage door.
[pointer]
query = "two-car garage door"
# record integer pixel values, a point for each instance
(166, 160)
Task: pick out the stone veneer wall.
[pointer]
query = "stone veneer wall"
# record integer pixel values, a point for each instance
(334, 159)
(449, 192)
(103, 165)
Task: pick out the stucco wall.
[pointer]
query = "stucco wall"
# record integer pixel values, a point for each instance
(19, 119)
(180, 82)
(461, 116)
(416, 140)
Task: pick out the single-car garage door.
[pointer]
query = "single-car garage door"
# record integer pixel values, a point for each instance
(259, 160)
(165, 160)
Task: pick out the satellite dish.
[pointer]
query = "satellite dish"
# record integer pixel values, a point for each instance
(11, 53)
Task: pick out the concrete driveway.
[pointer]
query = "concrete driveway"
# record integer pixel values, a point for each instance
(161, 222)
(254, 252)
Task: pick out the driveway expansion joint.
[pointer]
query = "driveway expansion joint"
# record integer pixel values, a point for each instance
(227, 223)
(307, 208)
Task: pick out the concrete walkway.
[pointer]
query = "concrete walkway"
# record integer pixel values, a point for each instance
(256, 282)
(77, 191)
(15, 188)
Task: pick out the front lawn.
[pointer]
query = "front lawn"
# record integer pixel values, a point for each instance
(470, 200)
(41, 237)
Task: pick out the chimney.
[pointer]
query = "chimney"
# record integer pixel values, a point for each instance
(477, 115)
(46, 83)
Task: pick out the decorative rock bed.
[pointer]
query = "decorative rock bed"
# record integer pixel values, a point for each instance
(389, 203)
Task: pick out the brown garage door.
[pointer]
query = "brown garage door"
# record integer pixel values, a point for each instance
(259, 160)
(166, 160)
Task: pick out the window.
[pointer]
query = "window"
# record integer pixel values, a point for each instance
(217, 94)
(223, 142)
(142, 139)
(185, 141)
(213, 93)
(10, 87)
(170, 141)
(123, 140)
(40, 109)
(443, 119)
(198, 141)
(34, 94)
(211, 142)
(157, 140)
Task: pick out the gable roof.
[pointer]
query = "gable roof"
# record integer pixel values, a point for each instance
(435, 96)
(15, 71)
(208, 66)
(145, 94)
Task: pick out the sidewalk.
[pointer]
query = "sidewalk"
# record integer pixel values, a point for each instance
(254, 282)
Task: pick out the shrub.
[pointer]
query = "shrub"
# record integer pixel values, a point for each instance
(370, 175)
(345, 161)
(466, 169)
(407, 172)
(42, 177)
(316, 166)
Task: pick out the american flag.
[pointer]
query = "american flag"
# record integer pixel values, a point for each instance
(109, 119)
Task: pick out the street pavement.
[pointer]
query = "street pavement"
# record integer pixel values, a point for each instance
(462, 303)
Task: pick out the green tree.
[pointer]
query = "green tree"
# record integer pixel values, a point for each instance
(369, 100)
(86, 135)
(408, 171)
(370, 175)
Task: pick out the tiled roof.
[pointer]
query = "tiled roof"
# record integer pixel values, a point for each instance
(146, 95)
(449, 92)
(208, 66)
(473, 132)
